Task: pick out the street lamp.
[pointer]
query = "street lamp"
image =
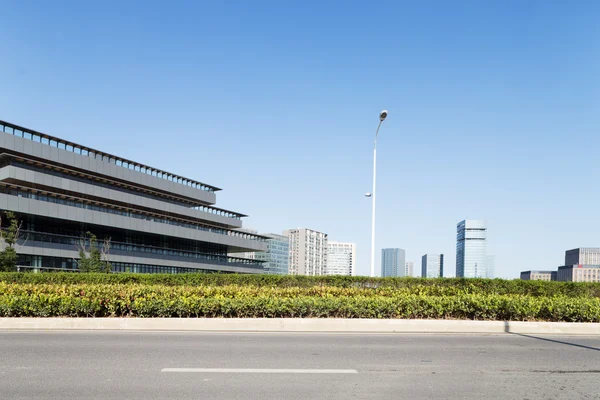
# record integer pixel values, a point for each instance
(382, 116)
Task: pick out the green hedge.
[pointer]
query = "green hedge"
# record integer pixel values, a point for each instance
(468, 286)
(143, 300)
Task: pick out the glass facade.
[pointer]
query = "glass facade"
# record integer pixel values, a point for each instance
(471, 249)
(432, 266)
(59, 195)
(276, 258)
(393, 262)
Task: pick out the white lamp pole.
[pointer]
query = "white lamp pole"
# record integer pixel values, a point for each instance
(382, 116)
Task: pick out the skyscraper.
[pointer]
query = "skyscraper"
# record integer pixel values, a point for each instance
(408, 271)
(432, 266)
(471, 249)
(308, 251)
(277, 255)
(392, 262)
(341, 258)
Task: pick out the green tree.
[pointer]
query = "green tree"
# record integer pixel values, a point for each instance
(8, 239)
(91, 257)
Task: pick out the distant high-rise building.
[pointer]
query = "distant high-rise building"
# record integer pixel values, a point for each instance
(392, 262)
(408, 271)
(471, 249)
(491, 266)
(581, 265)
(341, 258)
(308, 251)
(583, 256)
(432, 266)
(277, 255)
(538, 275)
(578, 273)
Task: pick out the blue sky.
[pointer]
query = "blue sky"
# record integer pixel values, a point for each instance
(494, 111)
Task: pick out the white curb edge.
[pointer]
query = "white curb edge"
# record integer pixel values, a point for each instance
(299, 325)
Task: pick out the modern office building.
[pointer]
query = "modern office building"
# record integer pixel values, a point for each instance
(471, 249)
(248, 255)
(583, 256)
(579, 273)
(581, 265)
(491, 266)
(276, 258)
(538, 275)
(432, 266)
(408, 270)
(157, 221)
(393, 262)
(341, 258)
(308, 251)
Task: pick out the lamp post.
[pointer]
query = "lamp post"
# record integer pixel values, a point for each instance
(382, 116)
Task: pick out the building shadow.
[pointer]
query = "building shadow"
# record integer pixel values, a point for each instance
(507, 330)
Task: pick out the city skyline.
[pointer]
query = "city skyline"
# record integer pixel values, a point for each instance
(290, 134)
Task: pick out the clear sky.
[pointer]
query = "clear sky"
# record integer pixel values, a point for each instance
(494, 111)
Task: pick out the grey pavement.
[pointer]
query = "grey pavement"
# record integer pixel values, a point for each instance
(153, 365)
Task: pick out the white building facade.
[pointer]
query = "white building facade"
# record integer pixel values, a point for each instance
(341, 258)
(308, 251)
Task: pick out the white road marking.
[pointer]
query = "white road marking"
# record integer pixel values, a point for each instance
(261, 371)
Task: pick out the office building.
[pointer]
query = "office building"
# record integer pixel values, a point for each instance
(308, 251)
(583, 256)
(581, 265)
(408, 271)
(249, 255)
(341, 258)
(276, 258)
(490, 266)
(579, 273)
(432, 266)
(538, 275)
(471, 249)
(393, 262)
(157, 221)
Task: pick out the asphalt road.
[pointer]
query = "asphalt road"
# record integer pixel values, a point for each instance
(147, 365)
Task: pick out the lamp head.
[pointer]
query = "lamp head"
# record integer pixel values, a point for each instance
(383, 115)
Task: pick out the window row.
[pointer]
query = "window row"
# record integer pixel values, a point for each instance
(54, 142)
(128, 247)
(72, 202)
(49, 171)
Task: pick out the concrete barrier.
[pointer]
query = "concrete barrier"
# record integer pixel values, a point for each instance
(299, 325)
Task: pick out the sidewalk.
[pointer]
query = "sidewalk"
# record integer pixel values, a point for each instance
(299, 325)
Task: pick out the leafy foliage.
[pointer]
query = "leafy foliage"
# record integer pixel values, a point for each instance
(134, 299)
(9, 237)
(91, 258)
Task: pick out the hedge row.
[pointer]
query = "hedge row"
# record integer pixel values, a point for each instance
(472, 286)
(135, 300)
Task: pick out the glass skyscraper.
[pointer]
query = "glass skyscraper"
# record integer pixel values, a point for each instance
(393, 262)
(432, 266)
(277, 255)
(471, 249)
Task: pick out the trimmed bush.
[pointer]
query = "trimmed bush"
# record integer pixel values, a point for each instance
(416, 285)
(20, 299)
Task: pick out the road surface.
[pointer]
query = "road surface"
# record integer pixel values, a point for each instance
(157, 365)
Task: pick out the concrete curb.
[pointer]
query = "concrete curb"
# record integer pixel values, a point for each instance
(299, 325)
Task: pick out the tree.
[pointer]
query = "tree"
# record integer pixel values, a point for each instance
(92, 258)
(8, 241)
